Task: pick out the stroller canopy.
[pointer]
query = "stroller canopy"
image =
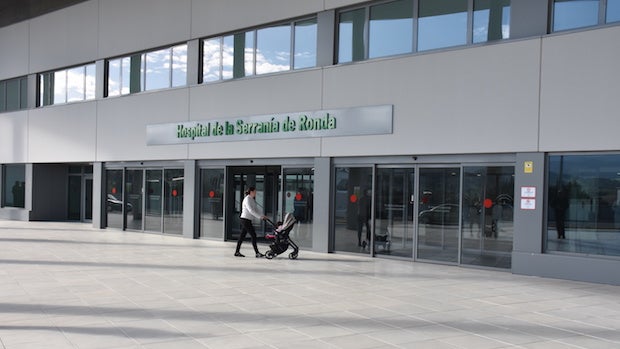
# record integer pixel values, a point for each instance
(289, 220)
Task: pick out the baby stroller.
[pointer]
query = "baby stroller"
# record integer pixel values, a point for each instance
(281, 238)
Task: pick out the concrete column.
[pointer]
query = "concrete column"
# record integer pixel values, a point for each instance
(190, 204)
(321, 205)
(98, 192)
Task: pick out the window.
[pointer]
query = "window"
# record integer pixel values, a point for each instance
(153, 70)
(261, 51)
(14, 185)
(442, 24)
(584, 204)
(67, 85)
(392, 28)
(491, 20)
(13, 94)
(571, 14)
(613, 11)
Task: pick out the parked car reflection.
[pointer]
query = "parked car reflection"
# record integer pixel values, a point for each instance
(114, 204)
(444, 214)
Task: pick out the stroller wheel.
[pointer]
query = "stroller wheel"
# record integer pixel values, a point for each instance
(269, 254)
(292, 255)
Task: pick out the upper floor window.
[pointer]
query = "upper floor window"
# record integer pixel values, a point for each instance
(13, 94)
(573, 14)
(67, 85)
(387, 29)
(153, 70)
(265, 50)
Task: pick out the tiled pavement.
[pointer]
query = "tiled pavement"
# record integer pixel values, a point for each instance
(66, 285)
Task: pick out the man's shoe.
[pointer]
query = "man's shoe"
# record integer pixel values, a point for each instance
(238, 254)
(260, 255)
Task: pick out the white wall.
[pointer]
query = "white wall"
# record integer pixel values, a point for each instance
(14, 137)
(14, 50)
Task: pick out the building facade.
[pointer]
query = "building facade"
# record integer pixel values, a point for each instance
(469, 132)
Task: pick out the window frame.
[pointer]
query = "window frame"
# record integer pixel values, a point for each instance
(46, 87)
(21, 92)
(601, 19)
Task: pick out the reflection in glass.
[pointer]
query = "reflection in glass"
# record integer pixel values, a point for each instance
(439, 214)
(60, 87)
(212, 203)
(12, 91)
(211, 60)
(228, 57)
(179, 65)
(353, 209)
(14, 185)
(571, 14)
(584, 204)
(351, 36)
(273, 49)
(391, 29)
(491, 20)
(442, 24)
(74, 201)
(305, 44)
(394, 212)
(153, 201)
(173, 201)
(298, 200)
(157, 70)
(248, 54)
(90, 82)
(613, 11)
(487, 219)
(75, 84)
(115, 199)
(133, 190)
(114, 77)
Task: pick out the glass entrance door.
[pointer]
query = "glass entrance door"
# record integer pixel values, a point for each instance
(298, 200)
(266, 179)
(134, 198)
(153, 207)
(439, 214)
(394, 199)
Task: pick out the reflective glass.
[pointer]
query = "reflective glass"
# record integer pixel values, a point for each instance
(125, 75)
(584, 204)
(114, 77)
(60, 87)
(2, 96)
(487, 219)
(613, 11)
(23, 95)
(491, 20)
(442, 24)
(305, 44)
(179, 65)
(157, 70)
(153, 201)
(391, 29)
(212, 203)
(45, 89)
(352, 216)
(14, 185)
(134, 192)
(299, 200)
(90, 82)
(12, 94)
(211, 60)
(75, 84)
(248, 54)
(115, 199)
(173, 201)
(273, 49)
(228, 57)
(571, 14)
(351, 36)
(394, 199)
(439, 214)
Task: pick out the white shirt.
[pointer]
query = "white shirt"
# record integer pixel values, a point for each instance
(249, 208)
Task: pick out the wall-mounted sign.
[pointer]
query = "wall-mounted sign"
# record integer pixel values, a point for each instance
(528, 192)
(528, 167)
(528, 204)
(322, 123)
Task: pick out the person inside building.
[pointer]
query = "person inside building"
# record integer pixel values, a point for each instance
(249, 211)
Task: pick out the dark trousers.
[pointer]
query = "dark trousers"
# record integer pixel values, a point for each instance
(247, 227)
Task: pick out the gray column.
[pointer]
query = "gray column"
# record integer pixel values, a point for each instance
(193, 62)
(325, 38)
(100, 80)
(528, 18)
(528, 222)
(190, 211)
(98, 190)
(321, 205)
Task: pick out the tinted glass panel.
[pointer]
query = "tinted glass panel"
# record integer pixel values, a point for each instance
(298, 200)
(613, 11)
(134, 195)
(75, 198)
(305, 44)
(391, 29)
(12, 95)
(351, 36)
(584, 204)
(23, 94)
(211, 60)
(153, 200)
(212, 203)
(394, 214)
(273, 49)
(2, 96)
(157, 74)
(115, 199)
(173, 201)
(228, 57)
(442, 24)
(352, 214)
(570, 14)
(14, 185)
(491, 20)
